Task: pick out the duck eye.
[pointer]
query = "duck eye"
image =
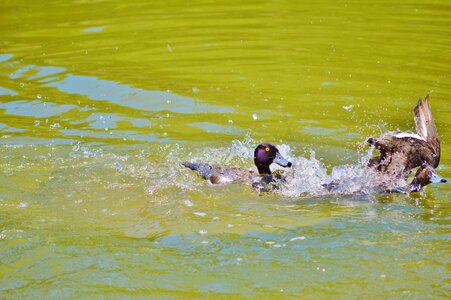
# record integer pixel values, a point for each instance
(424, 171)
(267, 149)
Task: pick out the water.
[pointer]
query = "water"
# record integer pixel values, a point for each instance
(101, 102)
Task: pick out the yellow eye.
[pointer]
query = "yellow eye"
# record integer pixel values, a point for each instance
(267, 149)
(424, 170)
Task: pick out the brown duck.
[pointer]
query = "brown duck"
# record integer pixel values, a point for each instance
(400, 152)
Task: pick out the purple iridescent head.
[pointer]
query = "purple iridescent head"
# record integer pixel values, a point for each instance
(265, 155)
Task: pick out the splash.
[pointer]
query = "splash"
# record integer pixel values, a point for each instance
(309, 178)
(159, 169)
(306, 178)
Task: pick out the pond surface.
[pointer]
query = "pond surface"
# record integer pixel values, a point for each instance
(101, 102)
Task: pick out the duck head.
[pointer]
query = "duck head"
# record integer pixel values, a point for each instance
(265, 155)
(425, 174)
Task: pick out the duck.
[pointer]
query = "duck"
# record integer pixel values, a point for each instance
(401, 152)
(264, 156)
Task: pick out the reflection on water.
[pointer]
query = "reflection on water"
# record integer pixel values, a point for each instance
(124, 95)
(100, 106)
(35, 108)
(4, 91)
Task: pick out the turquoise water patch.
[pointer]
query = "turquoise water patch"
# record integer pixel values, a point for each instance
(35, 108)
(5, 91)
(100, 121)
(124, 135)
(5, 57)
(94, 29)
(216, 128)
(6, 128)
(46, 71)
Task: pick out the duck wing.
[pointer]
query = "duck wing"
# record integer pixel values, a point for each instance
(426, 127)
(400, 152)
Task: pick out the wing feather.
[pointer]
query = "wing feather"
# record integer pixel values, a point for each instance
(426, 126)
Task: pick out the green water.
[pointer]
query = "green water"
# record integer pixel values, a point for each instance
(100, 102)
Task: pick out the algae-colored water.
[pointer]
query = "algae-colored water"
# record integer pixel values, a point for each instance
(101, 101)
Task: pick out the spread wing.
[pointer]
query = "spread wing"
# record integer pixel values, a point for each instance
(400, 152)
(426, 127)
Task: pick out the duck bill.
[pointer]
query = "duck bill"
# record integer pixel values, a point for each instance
(281, 161)
(436, 179)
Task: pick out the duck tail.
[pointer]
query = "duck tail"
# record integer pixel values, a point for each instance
(425, 125)
(205, 170)
(190, 165)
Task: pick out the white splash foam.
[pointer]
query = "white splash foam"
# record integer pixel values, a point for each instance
(306, 177)
(310, 178)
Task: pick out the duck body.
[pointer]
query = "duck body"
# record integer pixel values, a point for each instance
(264, 156)
(222, 175)
(400, 152)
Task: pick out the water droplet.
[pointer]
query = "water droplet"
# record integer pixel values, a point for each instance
(119, 167)
(37, 123)
(38, 96)
(203, 231)
(200, 214)
(297, 238)
(23, 204)
(254, 116)
(348, 107)
(22, 84)
(195, 90)
(188, 203)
